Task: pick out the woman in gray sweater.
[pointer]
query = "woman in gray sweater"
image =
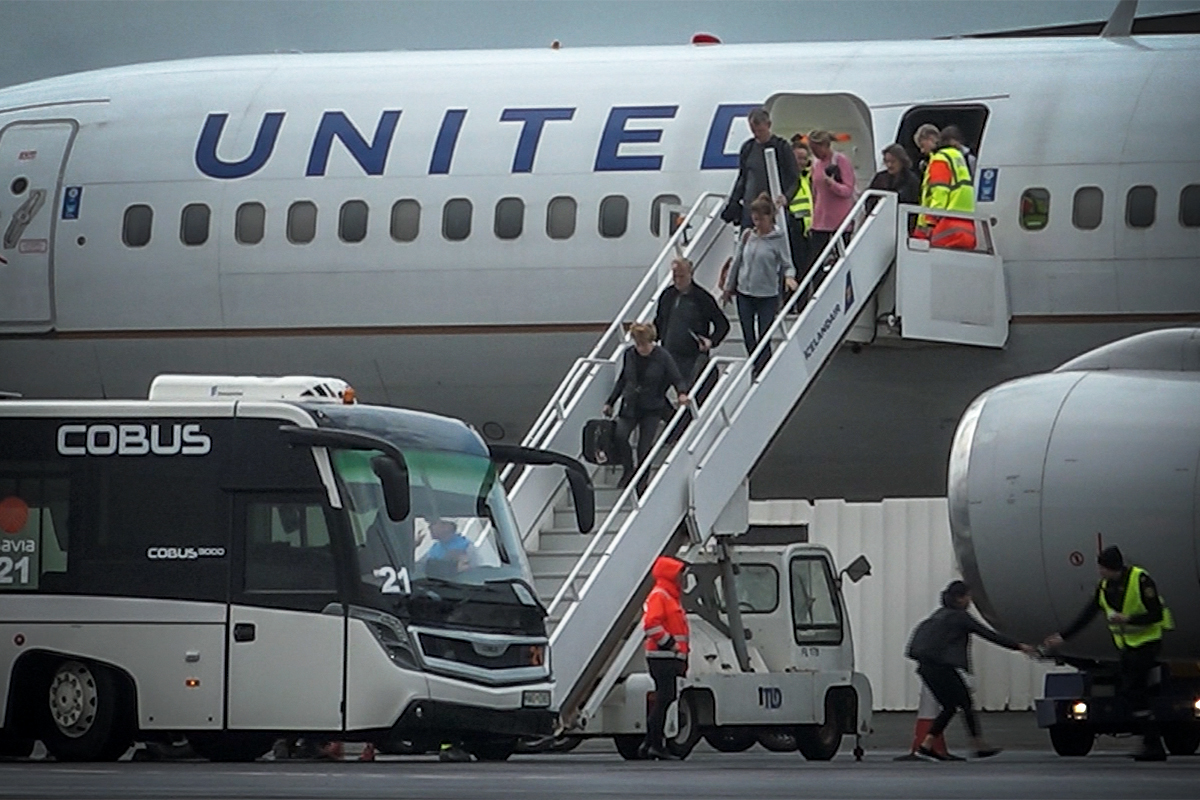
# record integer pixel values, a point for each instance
(761, 263)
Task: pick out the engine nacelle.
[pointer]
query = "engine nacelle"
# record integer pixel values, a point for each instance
(1046, 470)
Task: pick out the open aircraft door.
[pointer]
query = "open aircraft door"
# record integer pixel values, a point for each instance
(849, 120)
(32, 158)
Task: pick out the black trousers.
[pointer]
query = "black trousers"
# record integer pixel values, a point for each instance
(646, 423)
(1134, 687)
(948, 687)
(665, 672)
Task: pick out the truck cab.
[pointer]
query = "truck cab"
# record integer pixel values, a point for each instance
(793, 687)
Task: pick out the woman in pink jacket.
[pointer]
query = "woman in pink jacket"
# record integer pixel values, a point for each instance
(832, 189)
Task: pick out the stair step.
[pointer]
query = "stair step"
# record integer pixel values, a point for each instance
(567, 542)
(551, 563)
(564, 519)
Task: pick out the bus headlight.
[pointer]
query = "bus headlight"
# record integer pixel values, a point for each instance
(1079, 710)
(535, 698)
(1196, 708)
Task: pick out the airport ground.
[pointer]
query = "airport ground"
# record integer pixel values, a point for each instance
(1027, 769)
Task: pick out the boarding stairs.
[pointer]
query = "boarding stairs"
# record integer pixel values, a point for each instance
(698, 471)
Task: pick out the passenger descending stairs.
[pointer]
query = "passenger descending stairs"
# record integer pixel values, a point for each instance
(593, 585)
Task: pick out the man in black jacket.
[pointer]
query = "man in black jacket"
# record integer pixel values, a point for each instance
(647, 371)
(940, 645)
(752, 170)
(688, 320)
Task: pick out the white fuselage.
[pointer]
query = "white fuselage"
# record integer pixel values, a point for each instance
(482, 325)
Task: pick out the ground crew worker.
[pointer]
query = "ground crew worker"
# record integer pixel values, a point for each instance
(1137, 618)
(800, 208)
(666, 629)
(947, 184)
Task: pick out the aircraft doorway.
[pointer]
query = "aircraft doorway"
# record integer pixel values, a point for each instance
(970, 118)
(32, 155)
(844, 115)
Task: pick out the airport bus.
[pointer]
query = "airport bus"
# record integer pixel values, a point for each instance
(236, 559)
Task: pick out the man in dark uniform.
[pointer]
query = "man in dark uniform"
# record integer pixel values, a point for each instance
(752, 170)
(1136, 618)
(688, 320)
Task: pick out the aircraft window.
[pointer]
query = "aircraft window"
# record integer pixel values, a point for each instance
(1088, 210)
(302, 222)
(510, 217)
(249, 223)
(1139, 206)
(560, 217)
(1189, 206)
(352, 221)
(614, 216)
(406, 220)
(1035, 209)
(193, 224)
(456, 219)
(656, 212)
(138, 221)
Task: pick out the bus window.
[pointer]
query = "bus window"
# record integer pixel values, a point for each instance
(287, 547)
(33, 523)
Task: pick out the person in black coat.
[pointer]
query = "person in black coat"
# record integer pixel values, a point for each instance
(647, 371)
(940, 645)
(752, 170)
(688, 320)
(897, 175)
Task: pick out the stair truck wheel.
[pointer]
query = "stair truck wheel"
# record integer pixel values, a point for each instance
(1181, 738)
(821, 742)
(628, 744)
(688, 735)
(230, 746)
(777, 741)
(730, 738)
(86, 712)
(1072, 740)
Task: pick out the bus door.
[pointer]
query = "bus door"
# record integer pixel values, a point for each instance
(287, 627)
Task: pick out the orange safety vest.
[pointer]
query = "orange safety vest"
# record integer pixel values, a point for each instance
(663, 619)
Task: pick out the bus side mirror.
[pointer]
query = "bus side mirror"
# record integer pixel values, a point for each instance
(394, 478)
(858, 569)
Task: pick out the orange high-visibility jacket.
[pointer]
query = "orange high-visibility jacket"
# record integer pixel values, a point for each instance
(663, 619)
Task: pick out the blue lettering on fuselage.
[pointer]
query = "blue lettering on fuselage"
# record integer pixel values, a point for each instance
(372, 157)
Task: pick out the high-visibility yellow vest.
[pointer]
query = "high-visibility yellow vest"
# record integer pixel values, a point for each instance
(1124, 634)
(801, 205)
(959, 195)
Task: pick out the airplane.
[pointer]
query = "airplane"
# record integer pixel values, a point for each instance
(450, 230)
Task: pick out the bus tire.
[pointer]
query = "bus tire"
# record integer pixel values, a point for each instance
(627, 745)
(1181, 738)
(492, 749)
(16, 748)
(86, 712)
(230, 746)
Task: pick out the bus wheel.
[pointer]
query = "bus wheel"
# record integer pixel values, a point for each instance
(628, 744)
(16, 748)
(1181, 738)
(231, 745)
(492, 749)
(87, 715)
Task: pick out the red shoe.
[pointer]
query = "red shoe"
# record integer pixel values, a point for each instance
(368, 753)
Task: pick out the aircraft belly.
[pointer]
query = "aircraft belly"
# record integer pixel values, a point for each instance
(877, 424)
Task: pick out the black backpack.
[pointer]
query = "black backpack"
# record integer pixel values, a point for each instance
(600, 441)
(927, 640)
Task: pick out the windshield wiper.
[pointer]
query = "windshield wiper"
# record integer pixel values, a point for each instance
(532, 599)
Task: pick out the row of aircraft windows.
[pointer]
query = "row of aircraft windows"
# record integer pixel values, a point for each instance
(250, 220)
(1087, 209)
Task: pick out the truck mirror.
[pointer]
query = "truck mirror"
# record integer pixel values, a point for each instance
(394, 478)
(858, 569)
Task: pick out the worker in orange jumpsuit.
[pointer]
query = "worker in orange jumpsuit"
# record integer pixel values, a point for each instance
(665, 625)
(947, 184)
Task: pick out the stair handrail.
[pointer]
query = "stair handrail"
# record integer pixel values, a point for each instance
(630, 492)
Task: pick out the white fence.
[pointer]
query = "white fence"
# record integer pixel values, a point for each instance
(908, 543)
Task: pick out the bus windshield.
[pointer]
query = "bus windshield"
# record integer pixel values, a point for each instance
(460, 528)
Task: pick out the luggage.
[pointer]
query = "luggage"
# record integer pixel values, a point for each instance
(600, 441)
(928, 639)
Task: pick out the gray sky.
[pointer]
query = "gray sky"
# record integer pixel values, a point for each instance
(42, 38)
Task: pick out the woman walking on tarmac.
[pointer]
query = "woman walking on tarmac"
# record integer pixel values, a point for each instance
(940, 646)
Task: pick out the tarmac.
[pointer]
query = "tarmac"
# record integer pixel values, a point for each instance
(1027, 769)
